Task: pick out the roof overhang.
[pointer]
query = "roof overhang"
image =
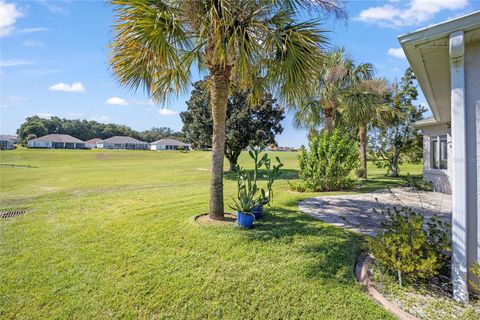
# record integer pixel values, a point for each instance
(427, 51)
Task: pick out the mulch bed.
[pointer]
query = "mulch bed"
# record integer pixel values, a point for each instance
(229, 219)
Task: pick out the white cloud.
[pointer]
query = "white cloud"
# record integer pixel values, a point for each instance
(117, 101)
(397, 53)
(416, 12)
(18, 98)
(57, 7)
(167, 112)
(65, 87)
(32, 43)
(31, 30)
(75, 114)
(45, 115)
(44, 72)
(9, 13)
(14, 62)
(100, 118)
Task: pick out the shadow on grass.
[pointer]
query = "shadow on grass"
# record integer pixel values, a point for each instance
(330, 251)
(285, 174)
(382, 182)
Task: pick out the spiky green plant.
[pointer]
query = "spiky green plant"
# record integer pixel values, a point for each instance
(158, 42)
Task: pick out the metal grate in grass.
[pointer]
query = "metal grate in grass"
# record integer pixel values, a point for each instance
(11, 214)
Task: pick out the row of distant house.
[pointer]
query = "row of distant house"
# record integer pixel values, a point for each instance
(7, 142)
(65, 141)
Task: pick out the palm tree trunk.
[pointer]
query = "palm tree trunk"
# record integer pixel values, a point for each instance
(329, 119)
(362, 133)
(219, 96)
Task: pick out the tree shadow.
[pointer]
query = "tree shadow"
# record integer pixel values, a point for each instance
(330, 251)
(285, 174)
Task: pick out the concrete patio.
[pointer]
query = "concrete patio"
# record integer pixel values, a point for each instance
(356, 211)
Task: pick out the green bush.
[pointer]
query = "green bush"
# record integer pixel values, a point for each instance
(328, 163)
(409, 247)
(475, 269)
(360, 172)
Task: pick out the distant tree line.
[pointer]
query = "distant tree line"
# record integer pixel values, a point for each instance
(85, 130)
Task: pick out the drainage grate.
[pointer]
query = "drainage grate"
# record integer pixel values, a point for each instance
(11, 214)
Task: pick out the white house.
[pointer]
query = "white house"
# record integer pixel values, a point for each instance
(437, 150)
(446, 60)
(122, 142)
(92, 143)
(168, 144)
(56, 141)
(7, 142)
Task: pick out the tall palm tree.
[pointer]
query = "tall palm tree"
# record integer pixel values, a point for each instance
(362, 106)
(336, 76)
(157, 43)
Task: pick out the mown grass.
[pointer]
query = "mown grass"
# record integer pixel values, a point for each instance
(110, 234)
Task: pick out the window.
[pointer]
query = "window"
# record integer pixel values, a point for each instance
(439, 152)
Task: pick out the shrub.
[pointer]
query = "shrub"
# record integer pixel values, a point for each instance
(475, 269)
(328, 163)
(360, 172)
(409, 247)
(419, 183)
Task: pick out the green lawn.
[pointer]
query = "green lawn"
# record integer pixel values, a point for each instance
(110, 234)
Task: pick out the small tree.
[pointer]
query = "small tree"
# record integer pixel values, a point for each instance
(328, 163)
(246, 124)
(406, 247)
(398, 136)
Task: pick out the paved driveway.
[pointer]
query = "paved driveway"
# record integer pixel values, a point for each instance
(355, 211)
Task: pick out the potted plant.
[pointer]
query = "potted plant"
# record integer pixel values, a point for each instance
(246, 199)
(272, 172)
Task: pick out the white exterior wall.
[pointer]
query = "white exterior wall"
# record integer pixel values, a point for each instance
(39, 144)
(472, 106)
(158, 147)
(440, 178)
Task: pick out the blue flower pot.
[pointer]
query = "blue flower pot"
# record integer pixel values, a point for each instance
(245, 220)
(258, 212)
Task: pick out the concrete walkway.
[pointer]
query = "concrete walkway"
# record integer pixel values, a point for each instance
(355, 211)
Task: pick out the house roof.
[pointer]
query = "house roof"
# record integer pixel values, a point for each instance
(123, 139)
(93, 141)
(61, 138)
(425, 122)
(169, 142)
(7, 137)
(427, 51)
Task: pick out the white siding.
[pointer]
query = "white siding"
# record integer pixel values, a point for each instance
(39, 144)
(472, 104)
(439, 178)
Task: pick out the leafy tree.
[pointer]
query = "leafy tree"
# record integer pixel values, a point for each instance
(245, 124)
(155, 134)
(338, 75)
(398, 136)
(328, 163)
(32, 125)
(157, 42)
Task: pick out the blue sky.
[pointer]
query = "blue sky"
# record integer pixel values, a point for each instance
(54, 59)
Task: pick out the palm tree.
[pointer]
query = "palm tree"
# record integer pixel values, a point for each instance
(336, 76)
(157, 43)
(362, 106)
